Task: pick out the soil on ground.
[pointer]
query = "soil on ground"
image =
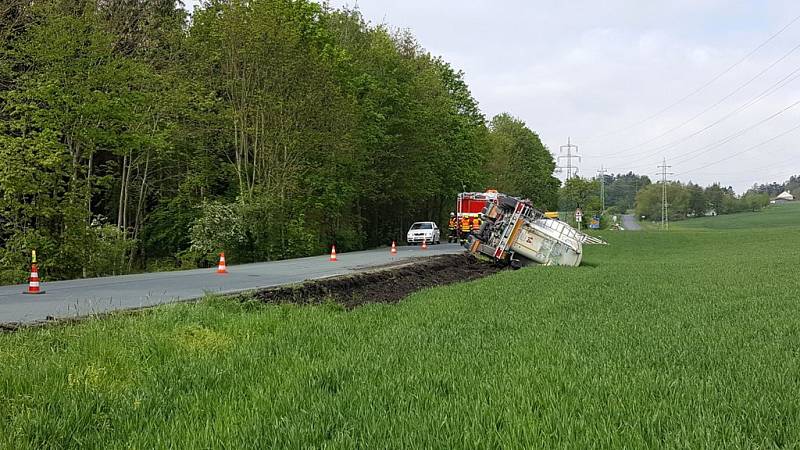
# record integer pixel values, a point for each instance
(383, 286)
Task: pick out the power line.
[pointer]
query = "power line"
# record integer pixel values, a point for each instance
(781, 83)
(795, 128)
(703, 87)
(688, 156)
(793, 76)
(706, 148)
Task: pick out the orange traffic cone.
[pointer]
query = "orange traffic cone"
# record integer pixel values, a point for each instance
(222, 269)
(424, 244)
(394, 248)
(333, 254)
(33, 281)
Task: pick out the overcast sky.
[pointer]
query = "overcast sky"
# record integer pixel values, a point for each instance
(602, 72)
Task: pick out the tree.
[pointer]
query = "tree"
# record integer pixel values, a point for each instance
(649, 201)
(75, 105)
(519, 164)
(581, 193)
(127, 130)
(620, 190)
(698, 205)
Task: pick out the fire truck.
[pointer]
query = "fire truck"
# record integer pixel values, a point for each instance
(470, 205)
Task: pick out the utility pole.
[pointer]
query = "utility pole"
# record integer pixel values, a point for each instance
(664, 204)
(602, 173)
(572, 171)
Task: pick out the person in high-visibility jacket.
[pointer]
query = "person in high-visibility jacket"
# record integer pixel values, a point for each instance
(452, 226)
(476, 225)
(465, 227)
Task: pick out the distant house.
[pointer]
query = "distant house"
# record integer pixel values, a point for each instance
(784, 197)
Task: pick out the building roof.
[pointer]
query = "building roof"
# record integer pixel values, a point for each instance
(785, 195)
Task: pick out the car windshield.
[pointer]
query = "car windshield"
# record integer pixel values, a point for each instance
(422, 226)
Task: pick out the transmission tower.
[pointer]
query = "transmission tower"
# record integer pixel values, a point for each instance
(664, 204)
(572, 171)
(602, 173)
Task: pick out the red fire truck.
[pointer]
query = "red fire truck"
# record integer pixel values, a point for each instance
(469, 205)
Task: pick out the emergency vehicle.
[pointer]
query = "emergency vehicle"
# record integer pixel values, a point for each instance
(471, 204)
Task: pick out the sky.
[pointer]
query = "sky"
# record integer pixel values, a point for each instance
(713, 86)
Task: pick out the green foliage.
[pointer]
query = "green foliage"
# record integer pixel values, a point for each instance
(581, 193)
(774, 189)
(312, 126)
(620, 190)
(613, 354)
(519, 164)
(691, 200)
(218, 227)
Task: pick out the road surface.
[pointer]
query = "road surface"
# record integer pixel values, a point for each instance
(630, 223)
(75, 298)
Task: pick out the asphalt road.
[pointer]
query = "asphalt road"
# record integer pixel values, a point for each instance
(76, 298)
(630, 223)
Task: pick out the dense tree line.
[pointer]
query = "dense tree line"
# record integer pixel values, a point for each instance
(134, 137)
(619, 190)
(634, 192)
(773, 189)
(691, 200)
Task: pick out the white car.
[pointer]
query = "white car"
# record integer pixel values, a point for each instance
(423, 232)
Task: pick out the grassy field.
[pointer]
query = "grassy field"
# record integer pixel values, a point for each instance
(787, 215)
(683, 339)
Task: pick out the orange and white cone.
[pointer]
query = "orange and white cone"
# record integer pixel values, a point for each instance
(33, 281)
(394, 248)
(222, 269)
(333, 254)
(424, 244)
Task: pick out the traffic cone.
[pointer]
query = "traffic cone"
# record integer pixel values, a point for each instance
(222, 269)
(33, 281)
(333, 254)
(424, 244)
(394, 248)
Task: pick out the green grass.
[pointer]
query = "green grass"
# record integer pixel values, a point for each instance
(683, 339)
(786, 215)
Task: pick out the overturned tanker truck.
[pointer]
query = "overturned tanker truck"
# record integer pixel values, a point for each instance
(515, 233)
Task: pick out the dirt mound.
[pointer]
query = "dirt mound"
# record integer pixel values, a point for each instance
(383, 286)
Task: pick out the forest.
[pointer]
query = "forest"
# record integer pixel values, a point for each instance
(136, 136)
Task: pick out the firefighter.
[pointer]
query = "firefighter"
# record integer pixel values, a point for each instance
(465, 227)
(452, 226)
(476, 225)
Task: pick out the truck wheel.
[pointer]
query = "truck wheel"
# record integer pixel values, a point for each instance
(516, 264)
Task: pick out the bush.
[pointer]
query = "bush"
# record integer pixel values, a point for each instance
(218, 228)
(110, 251)
(277, 230)
(15, 256)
